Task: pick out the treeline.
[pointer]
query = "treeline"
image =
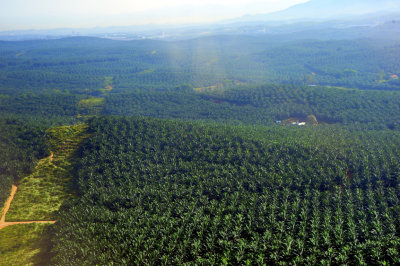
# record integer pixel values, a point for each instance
(54, 106)
(162, 192)
(263, 105)
(252, 105)
(22, 143)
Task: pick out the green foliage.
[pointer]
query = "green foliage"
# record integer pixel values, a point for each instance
(349, 63)
(167, 192)
(21, 144)
(41, 193)
(91, 106)
(312, 120)
(25, 244)
(263, 105)
(41, 105)
(173, 192)
(84, 64)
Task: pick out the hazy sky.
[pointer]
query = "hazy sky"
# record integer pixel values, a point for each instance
(47, 14)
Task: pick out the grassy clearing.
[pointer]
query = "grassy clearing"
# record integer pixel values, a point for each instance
(108, 81)
(108, 84)
(220, 87)
(91, 102)
(41, 194)
(91, 106)
(342, 88)
(25, 244)
(147, 71)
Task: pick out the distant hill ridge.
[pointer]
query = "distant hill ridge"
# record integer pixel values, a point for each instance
(323, 9)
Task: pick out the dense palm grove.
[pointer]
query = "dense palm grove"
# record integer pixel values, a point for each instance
(262, 105)
(38, 106)
(167, 192)
(80, 64)
(254, 105)
(202, 165)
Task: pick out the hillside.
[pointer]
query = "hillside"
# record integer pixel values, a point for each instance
(329, 9)
(167, 192)
(91, 64)
(26, 234)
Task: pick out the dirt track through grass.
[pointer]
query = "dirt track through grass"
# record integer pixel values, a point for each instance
(30, 210)
(41, 194)
(7, 205)
(3, 222)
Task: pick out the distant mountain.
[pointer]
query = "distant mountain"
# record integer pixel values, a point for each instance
(328, 9)
(315, 19)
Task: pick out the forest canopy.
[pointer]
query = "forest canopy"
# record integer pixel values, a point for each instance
(222, 149)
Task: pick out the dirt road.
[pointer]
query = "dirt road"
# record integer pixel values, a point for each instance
(2, 225)
(7, 204)
(3, 222)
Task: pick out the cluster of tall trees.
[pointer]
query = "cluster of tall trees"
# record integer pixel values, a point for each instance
(169, 192)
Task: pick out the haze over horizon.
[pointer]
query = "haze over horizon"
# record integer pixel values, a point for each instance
(47, 14)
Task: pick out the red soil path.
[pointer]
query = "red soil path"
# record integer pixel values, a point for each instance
(7, 204)
(3, 222)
